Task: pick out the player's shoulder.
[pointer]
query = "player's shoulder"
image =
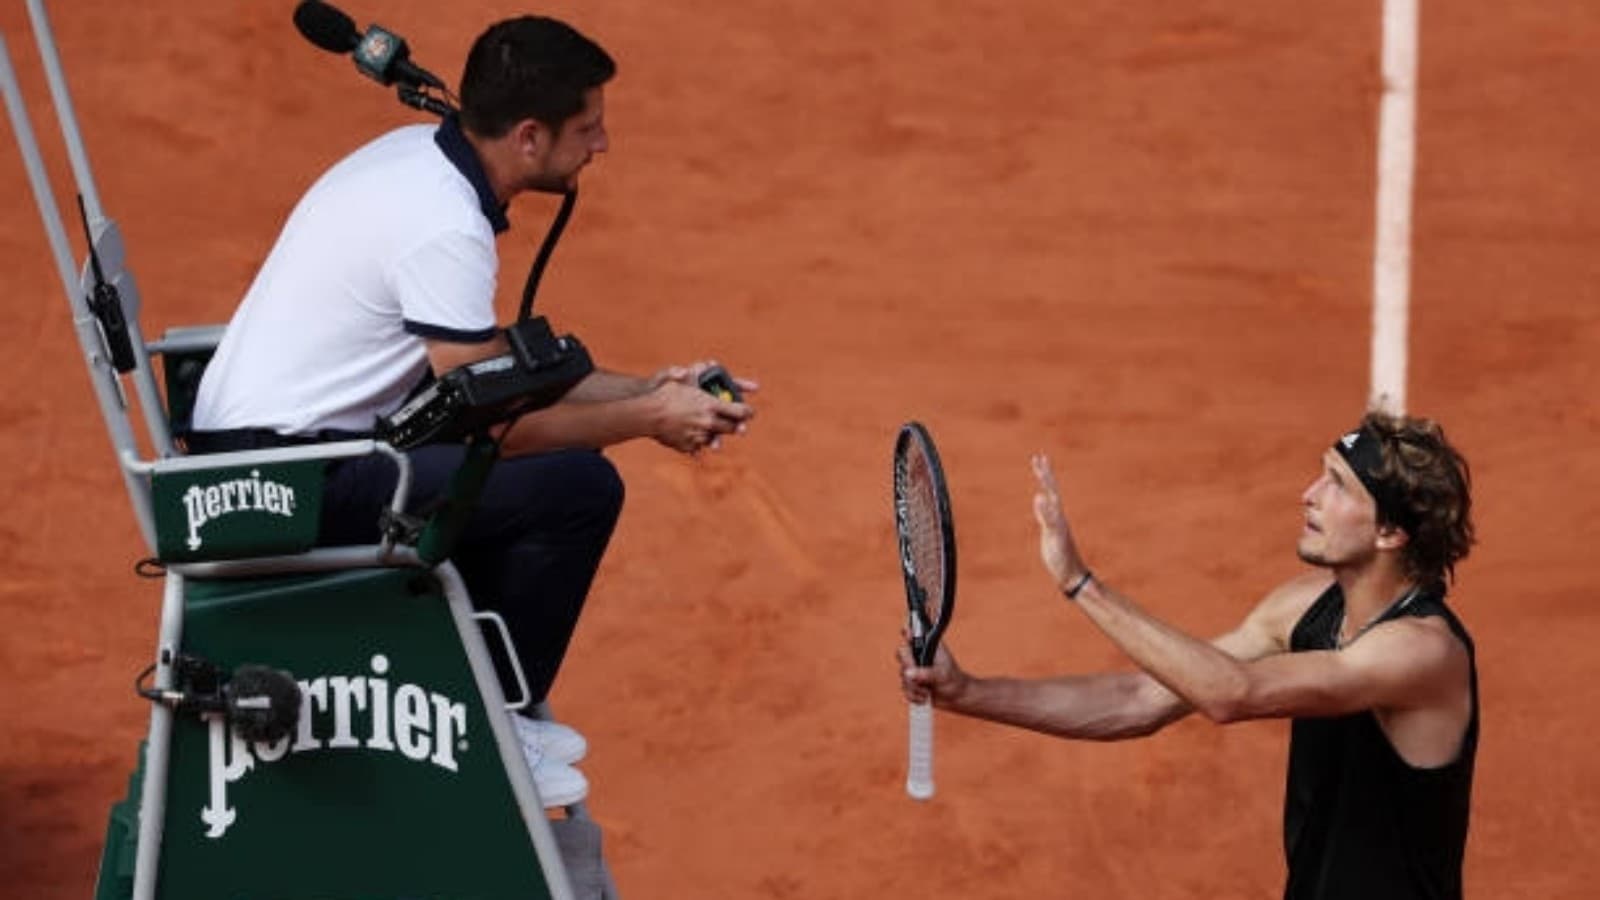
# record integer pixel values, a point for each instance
(1420, 635)
(1419, 655)
(1286, 603)
(1296, 595)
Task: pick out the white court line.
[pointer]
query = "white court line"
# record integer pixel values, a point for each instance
(1391, 258)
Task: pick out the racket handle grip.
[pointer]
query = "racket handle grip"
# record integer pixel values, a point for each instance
(919, 770)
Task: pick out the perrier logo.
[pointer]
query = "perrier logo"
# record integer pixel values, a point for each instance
(368, 712)
(229, 512)
(211, 502)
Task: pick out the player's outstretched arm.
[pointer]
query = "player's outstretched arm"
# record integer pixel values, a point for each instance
(1107, 706)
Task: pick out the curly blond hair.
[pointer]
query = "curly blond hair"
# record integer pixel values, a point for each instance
(1430, 478)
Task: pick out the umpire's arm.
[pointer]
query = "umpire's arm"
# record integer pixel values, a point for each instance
(606, 408)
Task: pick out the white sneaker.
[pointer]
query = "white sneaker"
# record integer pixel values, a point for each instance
(554, 740)
(558, 783)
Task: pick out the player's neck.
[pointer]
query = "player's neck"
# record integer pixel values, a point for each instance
(1372, 588)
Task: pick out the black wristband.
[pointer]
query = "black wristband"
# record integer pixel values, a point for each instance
(1072, 592)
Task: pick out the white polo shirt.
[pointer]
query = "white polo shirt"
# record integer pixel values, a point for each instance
(394, 244)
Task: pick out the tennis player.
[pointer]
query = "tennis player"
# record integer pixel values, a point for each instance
(1375, 671)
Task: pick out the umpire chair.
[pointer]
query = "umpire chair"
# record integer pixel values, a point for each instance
(386, 764)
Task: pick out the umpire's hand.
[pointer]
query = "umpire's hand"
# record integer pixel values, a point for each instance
(688, 419)
(691, 373)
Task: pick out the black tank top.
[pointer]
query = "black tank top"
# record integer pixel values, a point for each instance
(1359, 822)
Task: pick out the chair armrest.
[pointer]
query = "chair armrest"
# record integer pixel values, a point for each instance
(250, 503)
(185, 352)
(187, 339)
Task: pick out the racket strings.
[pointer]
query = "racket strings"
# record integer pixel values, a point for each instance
(924, 534)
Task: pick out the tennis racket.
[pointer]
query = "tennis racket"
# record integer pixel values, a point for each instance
(928, 562)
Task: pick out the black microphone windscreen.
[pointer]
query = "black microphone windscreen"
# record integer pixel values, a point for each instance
(263, 703)
(326, 26)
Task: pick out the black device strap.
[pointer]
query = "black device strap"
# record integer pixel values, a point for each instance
(539, 262)
(105, 303)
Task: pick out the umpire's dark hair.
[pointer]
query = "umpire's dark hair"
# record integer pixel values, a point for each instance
(530, 67)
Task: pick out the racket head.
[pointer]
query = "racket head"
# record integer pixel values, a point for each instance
(927, 540)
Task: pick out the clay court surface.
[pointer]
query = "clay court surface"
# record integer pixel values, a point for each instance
(1137, 235)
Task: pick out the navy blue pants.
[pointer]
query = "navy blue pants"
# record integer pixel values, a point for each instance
(530, 550)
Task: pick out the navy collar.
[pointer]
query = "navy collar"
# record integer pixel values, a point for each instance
(453, 142)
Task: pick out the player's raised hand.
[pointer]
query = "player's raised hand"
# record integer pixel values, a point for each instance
(1057, 549)
(942, 682)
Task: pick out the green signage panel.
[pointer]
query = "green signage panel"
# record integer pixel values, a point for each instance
(391, 786)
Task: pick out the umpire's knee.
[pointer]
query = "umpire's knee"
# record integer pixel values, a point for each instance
(597, 486)
(606, 486)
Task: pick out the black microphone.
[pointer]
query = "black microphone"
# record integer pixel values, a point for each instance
(326, 27)
(380, 54)
(384, 57)
(260, 702)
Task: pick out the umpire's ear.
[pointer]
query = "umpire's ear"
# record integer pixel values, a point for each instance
(531, 138)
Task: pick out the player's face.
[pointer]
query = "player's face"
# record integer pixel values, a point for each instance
(1341, 518)
(566, 153)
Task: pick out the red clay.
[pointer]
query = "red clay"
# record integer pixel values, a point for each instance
(1134, 234)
